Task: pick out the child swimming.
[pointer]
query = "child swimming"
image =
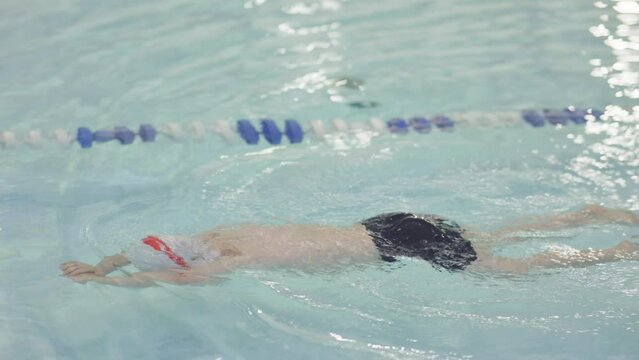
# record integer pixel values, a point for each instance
(444, 244)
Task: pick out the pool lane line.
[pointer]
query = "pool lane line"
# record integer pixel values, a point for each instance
(294, 132)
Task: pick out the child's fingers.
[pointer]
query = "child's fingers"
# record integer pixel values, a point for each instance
(67, 269)
(76, 269)
(79, 271)
(65, 265)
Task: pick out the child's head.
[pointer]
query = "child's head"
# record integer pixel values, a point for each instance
(159, 253)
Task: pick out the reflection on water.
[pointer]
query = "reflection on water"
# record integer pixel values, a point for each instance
(619, 30)
(613, 163)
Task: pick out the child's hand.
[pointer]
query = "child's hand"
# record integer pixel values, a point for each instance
(83, 278)
(74, 268)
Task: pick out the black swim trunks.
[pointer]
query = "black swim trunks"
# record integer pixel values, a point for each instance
(432, 238)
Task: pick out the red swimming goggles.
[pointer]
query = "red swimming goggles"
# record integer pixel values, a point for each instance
(159, 245)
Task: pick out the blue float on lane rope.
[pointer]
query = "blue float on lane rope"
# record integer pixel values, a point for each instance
(124, 135)
(248, 132)
(556, 117)
(271, 132)
(533, 118)
(293, 131)
(596, 113)
(103, 135)
(578, 116)
(443, 122)
(147, 133)
(397, 126)
(84, 137)
(420, 124)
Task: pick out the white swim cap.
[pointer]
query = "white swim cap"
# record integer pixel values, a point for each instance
(157, 253)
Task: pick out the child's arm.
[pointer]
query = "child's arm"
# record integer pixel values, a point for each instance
(197, 275)
(625, 250)
(104, 267)
(145, 279)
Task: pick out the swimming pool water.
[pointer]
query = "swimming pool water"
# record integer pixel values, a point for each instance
(70, 63)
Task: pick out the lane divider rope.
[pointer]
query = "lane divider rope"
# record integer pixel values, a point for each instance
(293, 130)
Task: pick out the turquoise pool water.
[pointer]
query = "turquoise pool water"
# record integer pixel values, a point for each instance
(70, 63)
